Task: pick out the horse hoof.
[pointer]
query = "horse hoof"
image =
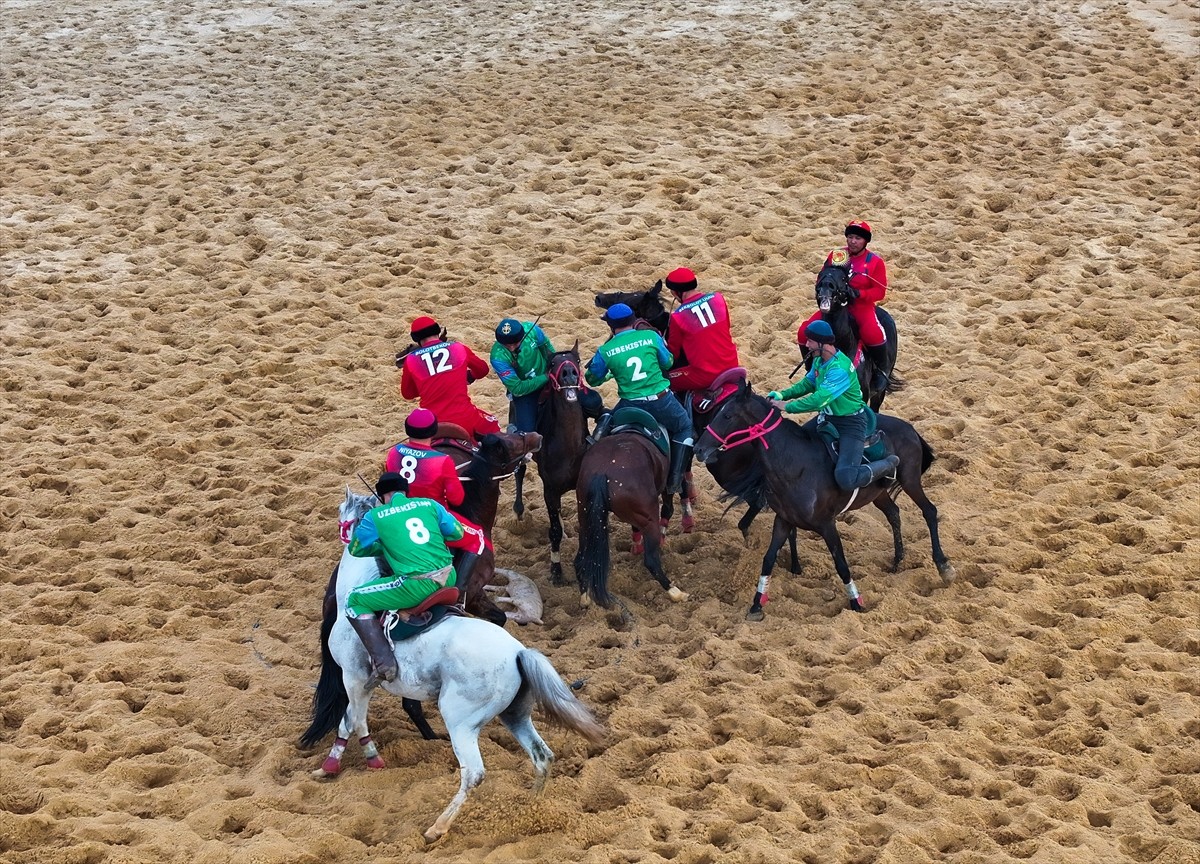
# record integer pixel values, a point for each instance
(329, 768)
(947, 573)
(432, 836)
(688, 524)
(584, 601)
(856, 603)
(376, 763)
(755, 615)
(676, 595)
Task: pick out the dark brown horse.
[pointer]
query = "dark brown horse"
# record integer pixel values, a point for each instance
(791, 467)
(623, 473)
(564, 441)
(834, 296)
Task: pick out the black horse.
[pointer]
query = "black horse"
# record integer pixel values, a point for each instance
(647, 306)
(564, 441)
(792, 468)
(834, 295)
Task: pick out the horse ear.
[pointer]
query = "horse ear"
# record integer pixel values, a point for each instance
(575, 347)
(656, 290)
(744, 387)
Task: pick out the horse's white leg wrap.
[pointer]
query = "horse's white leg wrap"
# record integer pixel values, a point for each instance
(371, 753)
(852, 590)
(555, 558)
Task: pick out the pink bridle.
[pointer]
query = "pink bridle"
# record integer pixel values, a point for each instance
(750, 433)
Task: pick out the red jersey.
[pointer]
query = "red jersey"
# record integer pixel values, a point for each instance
(430, 473)
(437, 374)
(700, 331)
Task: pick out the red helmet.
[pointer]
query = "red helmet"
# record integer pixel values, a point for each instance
(861, 228)
(681, 279)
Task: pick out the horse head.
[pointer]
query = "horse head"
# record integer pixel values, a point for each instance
(743, 417)
(502, 452)
(563, 372)
(646, 305)
(353, 509)
(833, 287)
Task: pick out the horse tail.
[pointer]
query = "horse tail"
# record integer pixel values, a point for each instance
(330, 700)
(927, 457)
(555, 699)
(594, 565)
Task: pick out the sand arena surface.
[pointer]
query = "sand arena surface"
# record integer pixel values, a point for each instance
(216, 224)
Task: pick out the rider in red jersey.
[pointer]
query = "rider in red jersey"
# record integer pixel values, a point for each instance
(868, 279)
(430, 473)
(698, 337)
(437, 371)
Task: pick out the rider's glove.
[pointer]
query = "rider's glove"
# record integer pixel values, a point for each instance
(853, 292)
(774, 395)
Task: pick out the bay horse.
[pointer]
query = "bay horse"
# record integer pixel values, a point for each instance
(623, 473)
(476, 671)
(792, 468)
(564, 441)
(834, 296)
(648, 307)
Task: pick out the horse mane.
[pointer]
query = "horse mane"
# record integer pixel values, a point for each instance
(355, 506)
(475, 479)
(750, 487)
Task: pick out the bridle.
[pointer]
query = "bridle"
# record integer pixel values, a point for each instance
(566, 365)
(754, 432)
(516, 463)
(346, 527)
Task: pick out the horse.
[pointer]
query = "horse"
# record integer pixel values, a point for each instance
(476, 671)
(481, 468)
(793, 470)
(834, 296)
(564, 441)
(648, 307)
(623, 473)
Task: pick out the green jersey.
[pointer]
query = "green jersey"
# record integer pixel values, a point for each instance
(524, 372)
(830, 387)
(636, 359)
(410, 532)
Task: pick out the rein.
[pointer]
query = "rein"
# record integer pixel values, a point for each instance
(566, 364)
(754, 432)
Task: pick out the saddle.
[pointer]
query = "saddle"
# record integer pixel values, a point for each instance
(704, 401)
(642, 423)
(875, 444)
(455, 436)
(435, 607)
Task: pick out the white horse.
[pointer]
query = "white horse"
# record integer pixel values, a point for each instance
(476, 670)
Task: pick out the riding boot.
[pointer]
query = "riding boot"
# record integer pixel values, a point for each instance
(679, 454)
(601, 427)
(462, 570)
(370, 631)
(879, 359)
(880, 468)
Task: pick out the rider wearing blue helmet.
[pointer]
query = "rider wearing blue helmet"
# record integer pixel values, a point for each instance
(831, 388)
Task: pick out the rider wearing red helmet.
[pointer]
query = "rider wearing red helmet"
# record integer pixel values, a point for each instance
(868, 279)
(437, 371)
(699, 337)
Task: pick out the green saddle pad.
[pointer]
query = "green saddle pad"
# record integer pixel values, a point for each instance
(629, 419)
(874, 450)
(401, 631)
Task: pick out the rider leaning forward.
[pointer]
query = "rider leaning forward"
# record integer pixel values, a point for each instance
(413, 535)
(521, 358)
(638, 361)
(831, 388)
(437, 371)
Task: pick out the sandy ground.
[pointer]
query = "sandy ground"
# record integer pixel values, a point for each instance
(217, 221)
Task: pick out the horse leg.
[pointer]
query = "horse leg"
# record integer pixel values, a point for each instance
(464, 737)
(892, 512)
(652, 558)
(833, 540)
(553, 508)
(354, 721)
(416, 713)
(637, 546)
(519, 497)
(795, 554)
(917, 494)
(688, 499)
(779, 533)
(667, 511)
(516, 718)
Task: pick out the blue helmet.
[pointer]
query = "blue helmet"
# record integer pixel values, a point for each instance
(819, 331)
(618, 315)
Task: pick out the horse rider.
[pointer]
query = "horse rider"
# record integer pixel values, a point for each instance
(412, 535)
(438, 370)
(430, 473)
(831, 388)
(521, 358)
(868, 283)
(699, 337)
(638, 361)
